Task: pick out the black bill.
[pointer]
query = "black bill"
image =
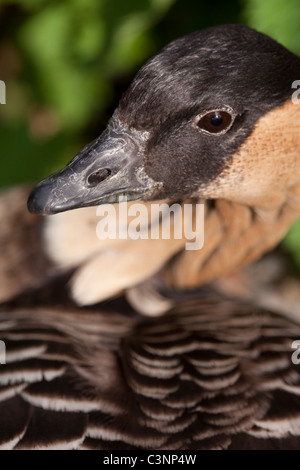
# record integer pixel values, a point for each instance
(105, 170)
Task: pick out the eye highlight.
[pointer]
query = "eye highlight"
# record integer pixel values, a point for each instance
(215, 122)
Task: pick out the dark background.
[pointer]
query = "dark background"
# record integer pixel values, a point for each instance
(66, 63)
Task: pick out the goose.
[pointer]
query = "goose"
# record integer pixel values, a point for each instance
(210, 118)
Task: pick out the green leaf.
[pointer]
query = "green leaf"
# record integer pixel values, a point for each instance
(280, 19)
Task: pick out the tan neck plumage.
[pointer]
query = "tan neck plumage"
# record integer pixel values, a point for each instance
(257, 198)
(234, 236)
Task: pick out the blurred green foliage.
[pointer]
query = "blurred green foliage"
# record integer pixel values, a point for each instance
(280, 19)
(61, 62)
(66, 63)
(291, 245)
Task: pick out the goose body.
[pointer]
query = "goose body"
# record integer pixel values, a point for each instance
(209, 119)
(211, 374)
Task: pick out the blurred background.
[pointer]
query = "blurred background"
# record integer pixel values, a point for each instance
(66, 64)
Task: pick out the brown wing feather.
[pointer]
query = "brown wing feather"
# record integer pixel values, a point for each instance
(211, 374)
(24, 262)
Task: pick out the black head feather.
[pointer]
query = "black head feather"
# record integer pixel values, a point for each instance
(152, 148)
(229, 65)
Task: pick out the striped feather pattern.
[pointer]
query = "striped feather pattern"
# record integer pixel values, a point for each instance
(210, 374)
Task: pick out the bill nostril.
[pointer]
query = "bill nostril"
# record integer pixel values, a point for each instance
(98, 176)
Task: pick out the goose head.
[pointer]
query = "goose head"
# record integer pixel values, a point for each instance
(210, 116)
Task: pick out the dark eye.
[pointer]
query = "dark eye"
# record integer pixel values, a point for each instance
(215, 122)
